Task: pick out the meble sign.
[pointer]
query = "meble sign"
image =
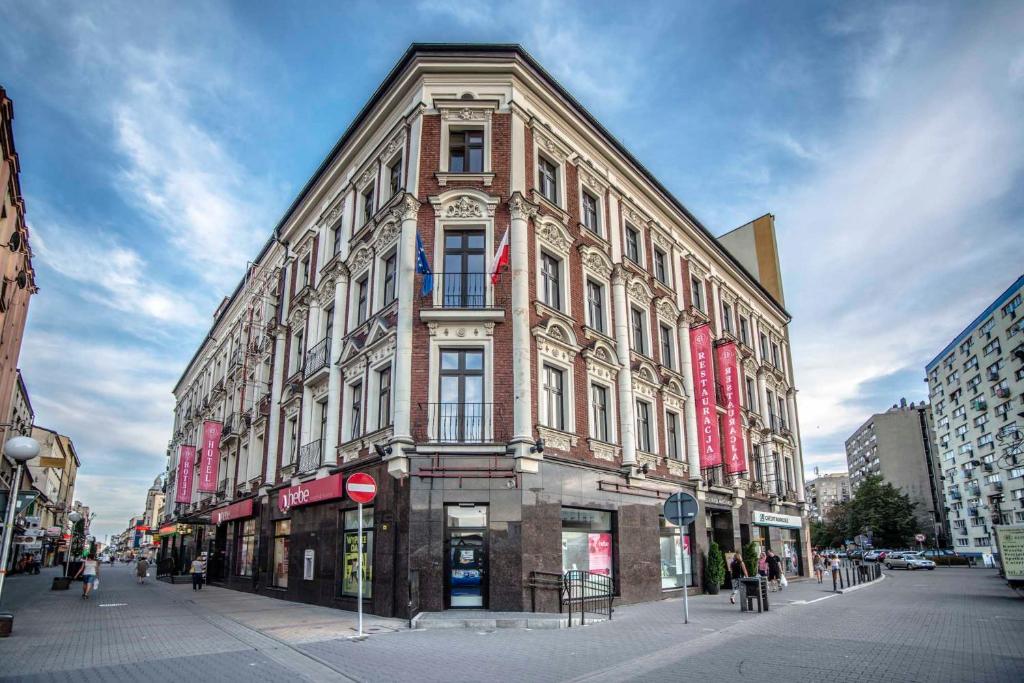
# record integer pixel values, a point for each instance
(310, 492)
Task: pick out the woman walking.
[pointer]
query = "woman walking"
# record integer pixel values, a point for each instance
(738, 570)
(819, 566)
(197, 572)
(762, 565)
(90, 573)
(141, 570)
(834, 565)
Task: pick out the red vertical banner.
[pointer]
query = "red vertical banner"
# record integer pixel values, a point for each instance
(704, 397)
(211, 456)
(728, 377)
(186, 461)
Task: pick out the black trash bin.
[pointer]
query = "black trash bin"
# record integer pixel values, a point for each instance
(60, 583)
(6, 624)
(755, 588)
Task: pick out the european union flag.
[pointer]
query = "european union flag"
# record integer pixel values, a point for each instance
(423, 268)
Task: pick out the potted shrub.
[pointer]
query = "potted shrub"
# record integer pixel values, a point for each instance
(750, 558)
(714, 569)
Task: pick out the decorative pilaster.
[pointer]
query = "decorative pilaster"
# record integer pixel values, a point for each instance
(627, 417)
(762, 392)
(794, 428)
(689, 409)
(521, 211)
(406, 212)
(334, 373)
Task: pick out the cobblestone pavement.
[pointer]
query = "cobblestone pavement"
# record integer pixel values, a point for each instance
(948, 625)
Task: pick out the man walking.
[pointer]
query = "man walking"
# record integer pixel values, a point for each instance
(774, 571)
(197, 574)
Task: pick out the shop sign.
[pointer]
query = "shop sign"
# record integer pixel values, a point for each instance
(728, 377)
(775, 519)
(186, 461)
(704, 397)
(237, 510)
(310, 492)
(1010, 539)
(600, 553)
(53, 531)
(168, 530)
(210, 460)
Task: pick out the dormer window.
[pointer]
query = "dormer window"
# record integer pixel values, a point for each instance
(466, 151)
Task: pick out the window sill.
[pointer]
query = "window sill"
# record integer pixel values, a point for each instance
(551, 206)
(595, 236)
(634, 266)
(444, 177)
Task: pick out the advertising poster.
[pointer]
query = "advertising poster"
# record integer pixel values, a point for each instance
(210, 461)
(600, 546)
(350, 565)
(186, 461)
(728, 379)
(704, 397)
(1011, 550)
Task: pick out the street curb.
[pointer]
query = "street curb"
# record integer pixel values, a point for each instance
(862, 585)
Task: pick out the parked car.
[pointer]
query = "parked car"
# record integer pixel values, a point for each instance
(856, 554)
(945, 557)
(874, 555)
(908, 561)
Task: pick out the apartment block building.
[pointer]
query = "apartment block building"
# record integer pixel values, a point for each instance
(825, 491)
(898, 445)
(520, 418)
(976, 385)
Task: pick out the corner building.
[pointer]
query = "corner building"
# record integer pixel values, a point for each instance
(532, 422)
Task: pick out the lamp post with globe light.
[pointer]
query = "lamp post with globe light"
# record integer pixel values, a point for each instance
(20, 449)
(74, 517)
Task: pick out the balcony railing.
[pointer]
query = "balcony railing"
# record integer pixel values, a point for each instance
(232, 426)
(463, 290)
(310, 456)
(778, 425)
(461, 423)
(317, 358)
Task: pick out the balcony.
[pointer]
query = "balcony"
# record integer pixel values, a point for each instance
(459, 296)
(461, 423)
(233, 426)
(235, 363)
(778, 425)
(310, 456)
(1002, 392)
(317, 359)
(972, 512)
(955, 495)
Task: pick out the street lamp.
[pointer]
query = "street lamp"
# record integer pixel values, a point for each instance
(74, 517)
(20, 449)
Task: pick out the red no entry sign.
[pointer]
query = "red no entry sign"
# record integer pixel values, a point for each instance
(361, 487)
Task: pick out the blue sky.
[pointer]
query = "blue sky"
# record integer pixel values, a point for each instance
(160, 145)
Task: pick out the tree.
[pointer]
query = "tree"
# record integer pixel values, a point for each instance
(714, 569)
(883, 509)
(750, 557)
(834, 529)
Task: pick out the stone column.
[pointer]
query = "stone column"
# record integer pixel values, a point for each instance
(715, 306)
(521, 212)
(798, 463)
(689, 409)
(762, 393)
(334, 374)
(627, 416)
(407, 211)
(276, 387)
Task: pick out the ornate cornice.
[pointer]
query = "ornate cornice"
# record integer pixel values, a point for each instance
(520, 208)
(407, 208)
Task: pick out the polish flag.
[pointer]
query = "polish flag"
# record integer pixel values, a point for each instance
(500, 259)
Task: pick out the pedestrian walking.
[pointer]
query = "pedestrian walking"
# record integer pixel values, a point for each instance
(141, 570)
(197, 574)
(834, 566)
(90, 573)
(762, 565)
(738, 570)
(819, 567)
(774, 571)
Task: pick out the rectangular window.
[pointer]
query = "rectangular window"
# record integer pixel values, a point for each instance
(554, 409)
(764, 348)
(660, 269)
(776, 357)
(350, 553)
(591, 217)
(368, 207)
(632, 244)
(390, 278)
(246, 545)
(395, 176)
(464, 283)
(751, 394)
(336, 239)
(639, 338)
(383, 398)
(587, 541)
(726, 317)
(599, 401)
(282, 530)
(466, 151)
(551, 281)
(362, 301)
(676, 556)
(460, 416)
(357, 409)
(672, 434)
(697, 293)
(744, 330)
(595, 305)
(298, 357)
(667, 347)
(304, 279)
(547, 179)
(643, 426)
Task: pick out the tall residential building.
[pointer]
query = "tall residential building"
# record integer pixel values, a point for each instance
(826, 490)
(53, 473)
(977, 387)
(19, 281)
(899, 445)
(529, 418)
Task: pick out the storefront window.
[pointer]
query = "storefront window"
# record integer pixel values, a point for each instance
(350, 553)
(676, 557)
(246, 546)
(791, 551)
(587, 540)
(282, 530)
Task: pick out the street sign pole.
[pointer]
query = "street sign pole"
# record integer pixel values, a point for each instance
(686, 566)
(360, 570)
(681, 510)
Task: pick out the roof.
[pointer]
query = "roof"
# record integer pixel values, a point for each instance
(482, 49)
(967, 331)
